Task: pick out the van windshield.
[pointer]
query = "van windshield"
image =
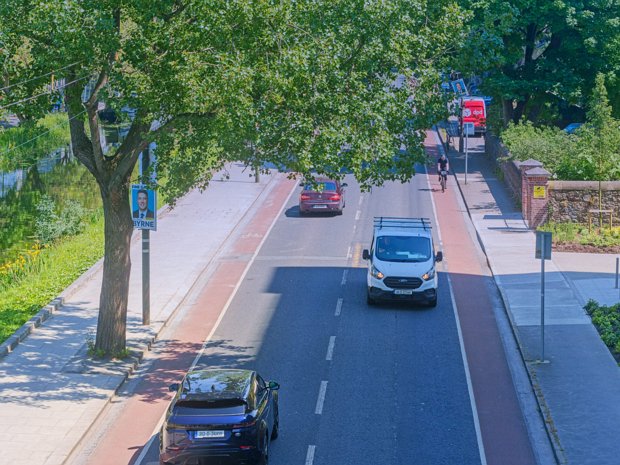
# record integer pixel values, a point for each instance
(403, 248)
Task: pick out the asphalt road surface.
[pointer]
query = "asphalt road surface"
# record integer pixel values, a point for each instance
(360, 385)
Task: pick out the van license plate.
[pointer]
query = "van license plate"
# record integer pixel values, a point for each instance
(209, 434)
(403, 291)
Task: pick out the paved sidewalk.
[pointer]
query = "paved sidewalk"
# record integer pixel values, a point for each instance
(578, 386)
(47, 378)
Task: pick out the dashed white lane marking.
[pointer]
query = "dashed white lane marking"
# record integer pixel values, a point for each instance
(330, 348)
(349, 253)
(310, 455)
(321, 400)
(360, 200)
(338, 307)
(357, 215)
(344, 277)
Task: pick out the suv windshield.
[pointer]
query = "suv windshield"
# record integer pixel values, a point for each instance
(403, 248)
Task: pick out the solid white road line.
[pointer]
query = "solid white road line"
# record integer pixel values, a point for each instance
(338, 307)
(470, 388)
(330, 348)
(321, 400)
(310, 455)
(344, 277)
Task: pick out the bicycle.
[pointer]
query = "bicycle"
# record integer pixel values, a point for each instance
(443, 179)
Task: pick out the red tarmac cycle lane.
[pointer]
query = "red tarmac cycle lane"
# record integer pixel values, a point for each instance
(133, 428)
(502, 426)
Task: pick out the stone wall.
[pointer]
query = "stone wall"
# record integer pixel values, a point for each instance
(569, 201)
(565, 201)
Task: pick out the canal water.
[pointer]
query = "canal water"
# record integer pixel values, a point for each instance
(59, 176)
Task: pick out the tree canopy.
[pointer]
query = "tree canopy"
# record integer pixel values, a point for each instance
(541, 58)
(309, 85)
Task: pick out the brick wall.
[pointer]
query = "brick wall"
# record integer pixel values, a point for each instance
(509, 169)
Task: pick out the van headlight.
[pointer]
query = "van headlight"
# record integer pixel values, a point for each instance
(375, 273)
(430, 274)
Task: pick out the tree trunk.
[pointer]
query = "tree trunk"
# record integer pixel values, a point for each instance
(112, 324)
(507, 111)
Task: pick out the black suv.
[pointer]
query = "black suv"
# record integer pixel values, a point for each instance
(220, 413)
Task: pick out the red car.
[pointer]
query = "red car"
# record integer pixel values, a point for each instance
(326, 195)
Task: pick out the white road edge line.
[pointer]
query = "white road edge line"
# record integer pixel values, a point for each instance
(155, 432)
(472, 400)
(310, 455)
(330, 348)
(338, 307)
(344, 277)
(321, 400)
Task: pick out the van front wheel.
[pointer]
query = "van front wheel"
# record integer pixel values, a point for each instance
(432, 302)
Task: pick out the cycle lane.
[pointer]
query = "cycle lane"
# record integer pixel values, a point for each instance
(503, 429)
(131, 427)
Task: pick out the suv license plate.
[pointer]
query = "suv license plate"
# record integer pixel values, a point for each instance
(403, 291)
(209, 434)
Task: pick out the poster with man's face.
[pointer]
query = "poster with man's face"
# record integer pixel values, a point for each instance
(143, 207)
(459, 87)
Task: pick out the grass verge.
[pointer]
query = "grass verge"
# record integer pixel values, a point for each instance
(61, 264)
(579, 234)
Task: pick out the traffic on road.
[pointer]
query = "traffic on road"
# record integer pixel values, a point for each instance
(356, 383)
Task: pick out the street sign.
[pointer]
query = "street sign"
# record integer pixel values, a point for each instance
(540, 192)
(469, 129)
(543, 242)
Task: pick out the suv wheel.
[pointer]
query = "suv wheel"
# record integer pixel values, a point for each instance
(276, 426)
(264, 453)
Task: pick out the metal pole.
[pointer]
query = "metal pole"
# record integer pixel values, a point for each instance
(466, 148)
(617, 270)
(146, 258)
(542, 297)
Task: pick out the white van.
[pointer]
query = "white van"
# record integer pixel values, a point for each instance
(402, 261)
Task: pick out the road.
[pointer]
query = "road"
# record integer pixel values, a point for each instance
(388, 384)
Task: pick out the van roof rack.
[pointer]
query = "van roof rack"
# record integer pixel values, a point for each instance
(381, 222)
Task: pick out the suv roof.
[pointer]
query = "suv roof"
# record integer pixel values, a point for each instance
(216, 384)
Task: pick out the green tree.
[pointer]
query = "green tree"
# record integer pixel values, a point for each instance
(309, 83)
(599, 141)
(542, 56)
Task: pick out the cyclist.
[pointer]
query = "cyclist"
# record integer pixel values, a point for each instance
(442, 165)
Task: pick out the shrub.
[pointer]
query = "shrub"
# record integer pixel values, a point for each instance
(50, 225)
(607, 322)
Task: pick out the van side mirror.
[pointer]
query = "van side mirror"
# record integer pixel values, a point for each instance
(365, 254)
(273, 385)
(439, 256)
(344, 184)
(173, 387)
